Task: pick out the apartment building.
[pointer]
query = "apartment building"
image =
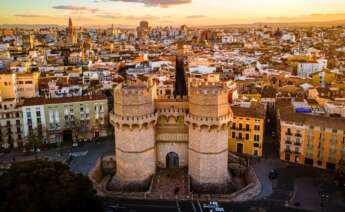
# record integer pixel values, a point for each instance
(247, 130)
(11, 124)
(67, 119)
(18, 85)
(311, 139)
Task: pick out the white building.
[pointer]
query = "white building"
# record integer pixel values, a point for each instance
(234, 38)
(288, 37)
(202, 69)
(304, 69)
(33, 118)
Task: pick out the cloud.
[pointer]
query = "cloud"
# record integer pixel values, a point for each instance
(108, 16)
(157, 3)
(145, 17)
(27, 15)
(195, 16)
(126, 17)
(75, 8)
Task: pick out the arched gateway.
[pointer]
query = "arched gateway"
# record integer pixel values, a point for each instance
(172, 160)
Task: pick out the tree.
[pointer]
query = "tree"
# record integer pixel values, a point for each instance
(46, 186)
(35, 140)
(340, 173)
(77, 130)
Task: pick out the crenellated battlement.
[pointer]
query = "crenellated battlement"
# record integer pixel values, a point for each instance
(222, 121)
(131, 90)
(172, 112)
(212, 102)
(207, 88)
(172, 98)
(133, 100)
(119, 120)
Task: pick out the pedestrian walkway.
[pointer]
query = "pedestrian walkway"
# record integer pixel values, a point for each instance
(170, 182)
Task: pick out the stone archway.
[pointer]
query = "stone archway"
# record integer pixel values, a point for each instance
(172, 160)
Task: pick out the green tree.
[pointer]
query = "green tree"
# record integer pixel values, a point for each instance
(46, 186)
(77, 130)
(35, 140)
(340, 173)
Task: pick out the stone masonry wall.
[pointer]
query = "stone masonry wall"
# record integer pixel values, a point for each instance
(135, 153)
(165, 148)
(208, 156)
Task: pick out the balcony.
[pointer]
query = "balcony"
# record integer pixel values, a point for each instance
(297, 143)
(298, 135)
(288, 133)
(9, 132)
(54, 127)
(288, 142)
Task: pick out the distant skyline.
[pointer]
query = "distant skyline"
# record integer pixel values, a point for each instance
(168, 12)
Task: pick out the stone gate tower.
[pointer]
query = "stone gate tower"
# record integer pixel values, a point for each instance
(134, 121)
(208, 120)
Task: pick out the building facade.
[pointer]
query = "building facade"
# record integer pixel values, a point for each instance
(11, 124)
(247, 129)
(66, 119)
(315, 140)
(18, 85)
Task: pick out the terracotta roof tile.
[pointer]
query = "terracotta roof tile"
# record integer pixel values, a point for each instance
(47, 101)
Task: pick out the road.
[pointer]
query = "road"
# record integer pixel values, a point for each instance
(83, 164)
(88, 155)
(191, 206)
(295, 183)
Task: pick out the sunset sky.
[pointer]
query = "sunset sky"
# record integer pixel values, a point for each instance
(168, 12)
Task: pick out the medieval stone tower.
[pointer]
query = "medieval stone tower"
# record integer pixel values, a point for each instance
(134, 121)
(184, 126)
(208, 120)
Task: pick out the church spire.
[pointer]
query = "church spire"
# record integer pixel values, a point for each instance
(180, 79)
(70, 25)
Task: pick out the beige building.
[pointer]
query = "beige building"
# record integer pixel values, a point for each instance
(153, 131)
(11, 124)
(18, 85)
(67, 119)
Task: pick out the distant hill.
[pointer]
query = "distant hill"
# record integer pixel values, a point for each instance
(250, 25)
(282, 24)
